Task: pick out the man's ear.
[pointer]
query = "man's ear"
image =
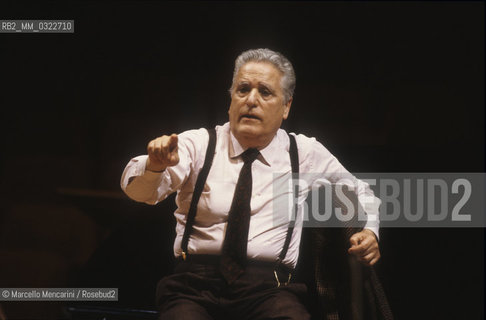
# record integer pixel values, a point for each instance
(287, 109)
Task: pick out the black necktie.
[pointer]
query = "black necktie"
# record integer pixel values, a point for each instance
(233, 259)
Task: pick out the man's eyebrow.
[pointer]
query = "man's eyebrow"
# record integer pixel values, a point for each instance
(260, 84)
(266, 86)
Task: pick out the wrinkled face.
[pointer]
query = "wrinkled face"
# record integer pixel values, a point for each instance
(257, 104)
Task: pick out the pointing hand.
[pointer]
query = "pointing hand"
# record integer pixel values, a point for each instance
(162, 153)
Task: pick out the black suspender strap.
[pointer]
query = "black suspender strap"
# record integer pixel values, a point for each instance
(294, 162)
(201, 179)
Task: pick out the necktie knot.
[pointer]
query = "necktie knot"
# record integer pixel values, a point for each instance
(250, 155)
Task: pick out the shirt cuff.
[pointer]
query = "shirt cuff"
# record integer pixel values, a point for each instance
(136, 169)
(373, 228)
(152, 176)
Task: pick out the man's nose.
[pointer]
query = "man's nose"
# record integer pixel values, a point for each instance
(252, 98)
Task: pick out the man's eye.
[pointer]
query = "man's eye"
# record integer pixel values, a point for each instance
(265, 92)
(243, 89)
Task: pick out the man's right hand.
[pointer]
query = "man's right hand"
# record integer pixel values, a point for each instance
(162, 153)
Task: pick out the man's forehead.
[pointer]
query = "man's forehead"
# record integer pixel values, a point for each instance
(262, 70)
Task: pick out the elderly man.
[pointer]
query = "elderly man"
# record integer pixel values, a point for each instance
(232, 257)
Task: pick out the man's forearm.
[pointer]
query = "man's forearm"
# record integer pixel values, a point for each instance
(143, 185)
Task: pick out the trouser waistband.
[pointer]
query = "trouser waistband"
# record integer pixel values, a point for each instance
(208, 265)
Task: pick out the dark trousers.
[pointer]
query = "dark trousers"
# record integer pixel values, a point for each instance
(196, 291)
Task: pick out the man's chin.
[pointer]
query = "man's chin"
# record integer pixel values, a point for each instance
(247, 132)
(249, 129)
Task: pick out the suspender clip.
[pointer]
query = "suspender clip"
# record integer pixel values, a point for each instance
(184, 256)
(278, 281)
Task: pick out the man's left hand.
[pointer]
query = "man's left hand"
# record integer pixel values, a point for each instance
(365, 247)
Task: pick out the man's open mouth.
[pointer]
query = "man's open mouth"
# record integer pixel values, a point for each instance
(249, 116)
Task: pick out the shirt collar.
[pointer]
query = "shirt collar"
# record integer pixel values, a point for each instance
(267, 154)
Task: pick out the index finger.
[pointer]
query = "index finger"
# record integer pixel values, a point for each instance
(363, 246)
(173, 140)
(359, 249)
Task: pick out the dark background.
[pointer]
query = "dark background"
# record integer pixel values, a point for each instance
(386, 87)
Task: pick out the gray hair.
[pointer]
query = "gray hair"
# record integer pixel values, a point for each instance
(277, 59)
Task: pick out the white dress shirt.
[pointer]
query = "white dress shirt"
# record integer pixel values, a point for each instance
(272, 168)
